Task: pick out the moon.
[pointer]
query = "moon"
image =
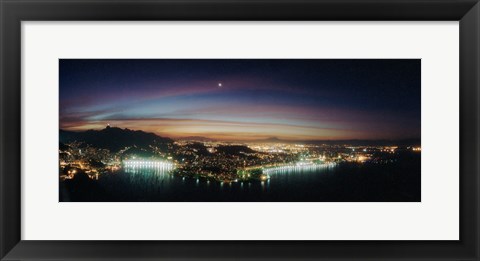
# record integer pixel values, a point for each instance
(219, 85)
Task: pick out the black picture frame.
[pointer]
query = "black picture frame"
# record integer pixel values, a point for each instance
(13, 12)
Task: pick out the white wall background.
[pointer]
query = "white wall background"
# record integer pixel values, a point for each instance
(436, 217)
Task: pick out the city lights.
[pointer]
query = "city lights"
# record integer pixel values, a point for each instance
(298, 166)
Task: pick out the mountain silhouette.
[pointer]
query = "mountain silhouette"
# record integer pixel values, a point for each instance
(196, 138)
(115, 139)
(272, 139)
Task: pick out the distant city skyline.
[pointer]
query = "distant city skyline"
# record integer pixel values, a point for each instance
(232, 99)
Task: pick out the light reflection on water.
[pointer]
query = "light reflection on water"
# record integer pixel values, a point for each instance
(398, 181)
(148, 170)
(161, 176)
(148, 176)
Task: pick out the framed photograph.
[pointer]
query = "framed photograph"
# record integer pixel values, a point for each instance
(239, 130)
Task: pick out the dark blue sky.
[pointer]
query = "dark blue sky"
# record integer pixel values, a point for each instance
(245, 99)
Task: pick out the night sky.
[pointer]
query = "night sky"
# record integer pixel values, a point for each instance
(230, 99)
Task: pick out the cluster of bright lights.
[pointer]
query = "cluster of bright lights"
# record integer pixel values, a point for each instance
(148, 164)
(298, 166)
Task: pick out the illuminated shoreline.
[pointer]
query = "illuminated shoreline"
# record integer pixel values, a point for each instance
(298, 166)
(264, 175)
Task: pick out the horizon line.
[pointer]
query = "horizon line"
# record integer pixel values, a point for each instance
(191, 137)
